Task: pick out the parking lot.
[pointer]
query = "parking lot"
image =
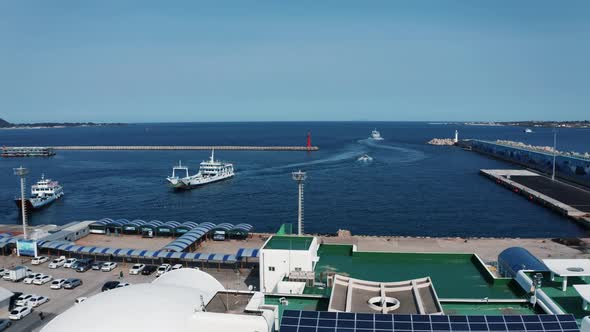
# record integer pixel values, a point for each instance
(62, 299)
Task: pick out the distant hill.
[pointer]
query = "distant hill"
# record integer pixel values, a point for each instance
(6, 124)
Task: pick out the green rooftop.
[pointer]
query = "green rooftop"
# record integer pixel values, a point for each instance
(279, 242)
(455, 276)
(489, 309)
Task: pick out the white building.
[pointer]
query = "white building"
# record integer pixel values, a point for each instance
(180, 300)
(287, 263)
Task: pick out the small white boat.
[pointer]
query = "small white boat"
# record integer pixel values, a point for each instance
(365, 158)
(376, 135)
(528, 130)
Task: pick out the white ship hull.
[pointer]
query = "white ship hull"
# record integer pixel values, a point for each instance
(195, 181)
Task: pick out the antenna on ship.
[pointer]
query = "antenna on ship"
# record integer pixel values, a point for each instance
(22, 173)
(299, 176)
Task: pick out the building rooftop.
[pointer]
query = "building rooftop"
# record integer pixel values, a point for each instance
(278, 242)
(455, 276)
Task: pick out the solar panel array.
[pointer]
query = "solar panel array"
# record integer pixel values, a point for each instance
(314, 321)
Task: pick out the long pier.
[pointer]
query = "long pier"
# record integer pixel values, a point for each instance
(184, 147)
(566, 199)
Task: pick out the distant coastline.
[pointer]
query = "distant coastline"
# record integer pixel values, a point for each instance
(535, 124)
(41, 125)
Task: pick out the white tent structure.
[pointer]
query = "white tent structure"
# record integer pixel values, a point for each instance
(176, 301)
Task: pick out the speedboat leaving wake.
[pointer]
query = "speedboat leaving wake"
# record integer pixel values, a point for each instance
(365, 158)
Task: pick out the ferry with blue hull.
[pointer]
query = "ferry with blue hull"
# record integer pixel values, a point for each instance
(43, 193)
(209, 171)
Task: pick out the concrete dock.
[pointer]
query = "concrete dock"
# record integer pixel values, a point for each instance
(567, 199)
(185, 147)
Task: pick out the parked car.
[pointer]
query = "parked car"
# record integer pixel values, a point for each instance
(149, 269)
(13, 300)
(108, 266)
(84, 265)
(57, 283)
(69, 262)
(72, 283)
(3, 271)
(29, 279)
(163, 269)
(97, 265)
(219, 236)
(110, 285)
(42, 280)
(4, 324)
(37, 300)
(58, 262)
(19, 312)
(123, 284)
(39, 260)
(80, 299)
(136, 269)
(177, 267)
(22, 300)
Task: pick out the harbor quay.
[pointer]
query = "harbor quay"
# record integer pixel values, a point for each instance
(266, 278)
(570, 200)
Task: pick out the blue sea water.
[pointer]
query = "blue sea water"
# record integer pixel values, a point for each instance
(409, 189)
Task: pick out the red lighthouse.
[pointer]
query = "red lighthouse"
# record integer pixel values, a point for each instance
(309, 140)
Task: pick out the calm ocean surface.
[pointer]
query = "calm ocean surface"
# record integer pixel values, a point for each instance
(410, 189)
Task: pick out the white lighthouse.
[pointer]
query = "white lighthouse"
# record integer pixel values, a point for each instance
(456, 140)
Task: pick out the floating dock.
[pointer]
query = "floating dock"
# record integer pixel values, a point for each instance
(567, 199)
(162, 147)
(27, 151)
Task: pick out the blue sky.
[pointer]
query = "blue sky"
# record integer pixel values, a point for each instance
(415, 60)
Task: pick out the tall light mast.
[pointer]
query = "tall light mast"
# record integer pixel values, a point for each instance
(299, 176)
(21, 172)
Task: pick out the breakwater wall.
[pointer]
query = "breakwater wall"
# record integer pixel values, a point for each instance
(570, 168)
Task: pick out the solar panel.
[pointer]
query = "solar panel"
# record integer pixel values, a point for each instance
(315, 321)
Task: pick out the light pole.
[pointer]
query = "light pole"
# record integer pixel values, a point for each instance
(22, 172)
(554, 153)
(299, 176)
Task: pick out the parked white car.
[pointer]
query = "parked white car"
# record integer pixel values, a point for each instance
(136, 269)
(36, 301)
(21, 301)
(19, 312)
(39, 260)
(80, 299)
(108, 266)
(163, 269)
(57, 262)
(69, 262)
(57, 283)
(42, 280)
(29, 279)
(177, 267)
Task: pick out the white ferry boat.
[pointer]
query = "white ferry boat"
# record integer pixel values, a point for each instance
(528, 130)
(209, 171)
(376, 135)
(44, 192)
